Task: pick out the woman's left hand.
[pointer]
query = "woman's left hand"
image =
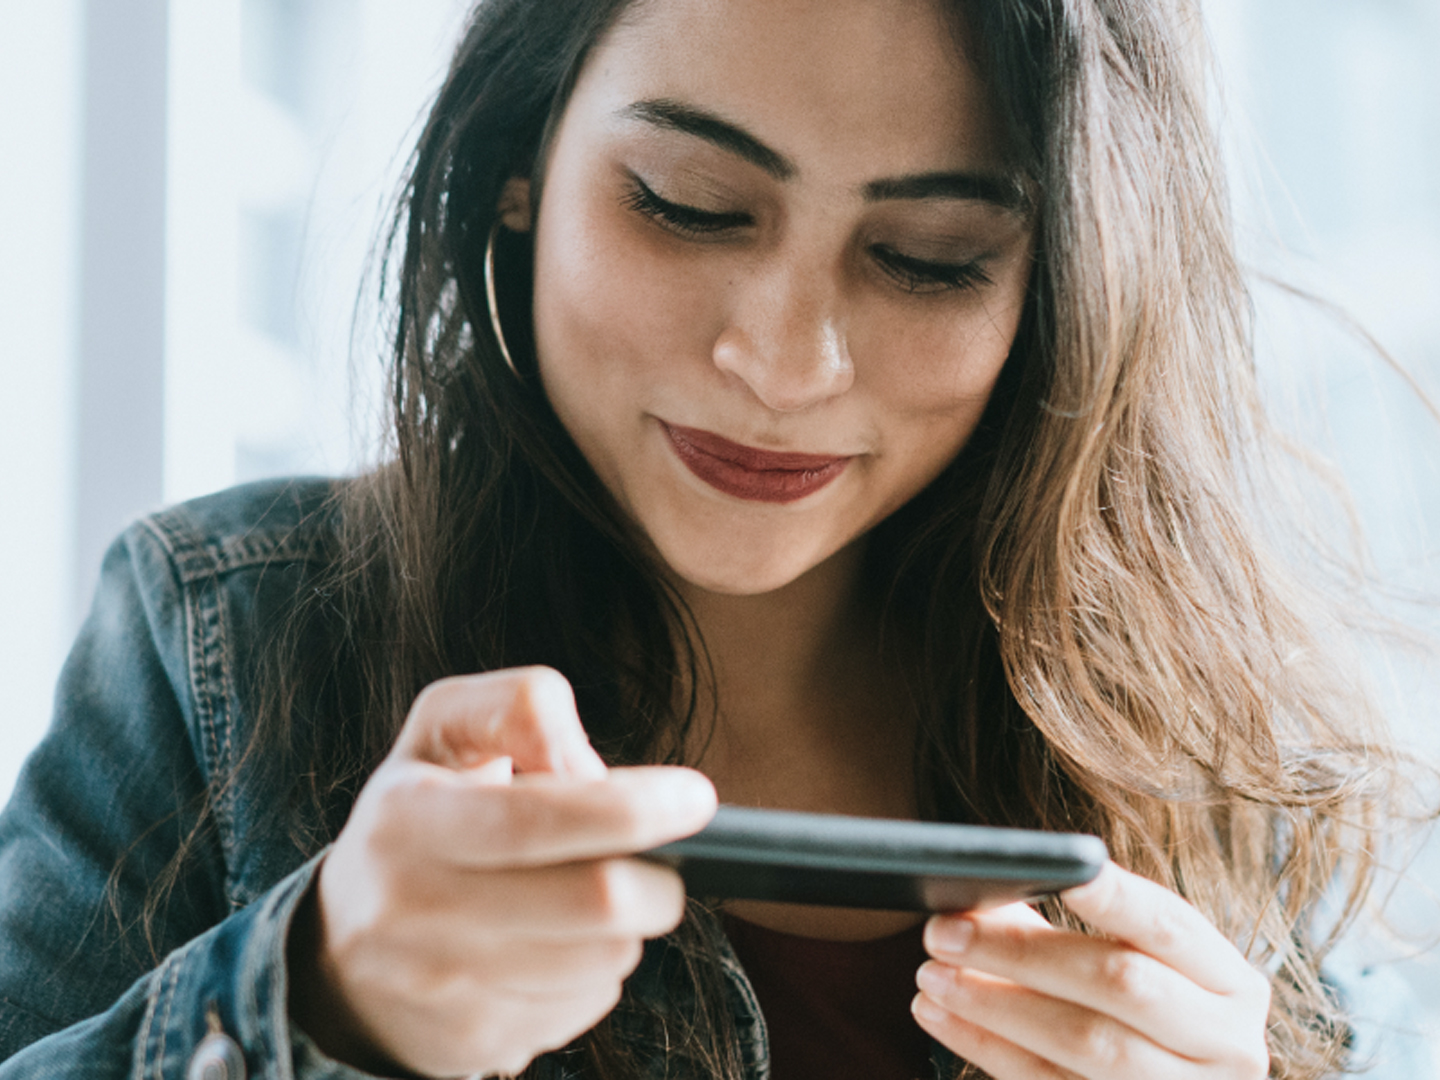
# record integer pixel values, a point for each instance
(1167, 996)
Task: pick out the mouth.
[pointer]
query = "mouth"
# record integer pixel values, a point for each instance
(749, 473)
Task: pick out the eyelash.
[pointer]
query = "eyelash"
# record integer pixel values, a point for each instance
(687, 221)
(912, 275)
(919, 276)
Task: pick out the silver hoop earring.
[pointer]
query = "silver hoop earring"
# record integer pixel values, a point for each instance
(491, 303)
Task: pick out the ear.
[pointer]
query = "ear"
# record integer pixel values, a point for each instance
(514, 204)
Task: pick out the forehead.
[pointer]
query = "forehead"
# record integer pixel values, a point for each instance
(884, 85)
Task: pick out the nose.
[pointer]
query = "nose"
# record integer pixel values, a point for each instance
(786, 341)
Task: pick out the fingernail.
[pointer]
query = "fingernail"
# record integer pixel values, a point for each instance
(949, 935)
(933, 978)
(926, 1008)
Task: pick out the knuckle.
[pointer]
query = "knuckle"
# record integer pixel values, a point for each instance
(1126, 974)
(586, 1009)
(413, 975)
(631, 820)
(1255, 1061)
(630, 955)
(1107, 895)
(538, 675)
(441, 695)
(605, 891)
(1015, 942)
(543, 688)
(612, 1000)
(1250, 1059)
(672, 906)
(541, 712)
(390, 825)
(1167, 932)
(426, 699)
(513, 1063)
(517, 820)
(626, 898)
(620, 955)
(1100, 1042)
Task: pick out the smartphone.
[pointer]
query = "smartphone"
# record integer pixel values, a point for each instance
(856, 862)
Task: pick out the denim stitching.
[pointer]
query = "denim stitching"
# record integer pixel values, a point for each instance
(180, 547)
(207, 675)
(174, 979)
(197, 557)
(141, 1043)
(225, 714)
(200, 562)
(197, 566)
(200, 617)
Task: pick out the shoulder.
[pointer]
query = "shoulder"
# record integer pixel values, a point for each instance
(185, 579)
(254, 525)
(206, 590)
(216, 578)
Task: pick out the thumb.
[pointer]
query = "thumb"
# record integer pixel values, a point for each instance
(497, 771)
(524, 714)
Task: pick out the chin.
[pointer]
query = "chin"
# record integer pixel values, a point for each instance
(739, 570)
(743, 583)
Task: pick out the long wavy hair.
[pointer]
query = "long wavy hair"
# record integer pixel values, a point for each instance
(1091, 632)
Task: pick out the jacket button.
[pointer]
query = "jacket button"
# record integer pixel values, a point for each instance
(218, 1057)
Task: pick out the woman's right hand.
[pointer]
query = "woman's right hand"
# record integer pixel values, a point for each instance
(467, 920)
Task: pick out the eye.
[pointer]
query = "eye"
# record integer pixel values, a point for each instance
(690, 221)
(921, 276)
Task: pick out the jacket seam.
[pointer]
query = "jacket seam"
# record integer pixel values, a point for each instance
(198, 566)
(209, 686)
(147, 1024)
(173, 979)
(226, 720)
(196, 558)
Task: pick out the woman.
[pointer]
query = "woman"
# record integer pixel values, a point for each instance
(840, 406)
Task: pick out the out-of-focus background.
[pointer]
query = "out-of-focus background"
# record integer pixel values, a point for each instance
(189, 190)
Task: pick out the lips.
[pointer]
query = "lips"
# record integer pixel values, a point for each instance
(748, 473)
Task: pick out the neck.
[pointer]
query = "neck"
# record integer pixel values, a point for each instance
(785, 646)
(806, 716)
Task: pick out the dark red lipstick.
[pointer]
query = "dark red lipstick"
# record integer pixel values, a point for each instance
(748, 473)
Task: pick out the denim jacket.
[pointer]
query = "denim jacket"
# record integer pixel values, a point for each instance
(150, 708)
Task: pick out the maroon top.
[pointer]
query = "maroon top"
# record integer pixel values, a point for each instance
(836, 1008)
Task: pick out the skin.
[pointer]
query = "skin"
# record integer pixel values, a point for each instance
(785, 332)
(479, 907)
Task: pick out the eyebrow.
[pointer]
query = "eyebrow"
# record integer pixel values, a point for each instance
(1006, 192)
(675, 116)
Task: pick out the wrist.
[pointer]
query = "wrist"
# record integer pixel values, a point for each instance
(315, 1004)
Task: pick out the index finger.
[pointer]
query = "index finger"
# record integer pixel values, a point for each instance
(539, 820)
(1163, 925)
(527, 714)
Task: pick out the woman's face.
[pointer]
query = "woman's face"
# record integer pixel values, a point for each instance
(779, 264)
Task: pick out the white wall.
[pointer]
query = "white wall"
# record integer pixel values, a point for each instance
(137, 365)
(39, 239)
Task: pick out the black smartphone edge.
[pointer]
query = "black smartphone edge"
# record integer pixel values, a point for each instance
(838, 860)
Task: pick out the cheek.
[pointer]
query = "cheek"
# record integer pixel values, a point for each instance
(932, 387)
(938, 374)
(609, 307)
